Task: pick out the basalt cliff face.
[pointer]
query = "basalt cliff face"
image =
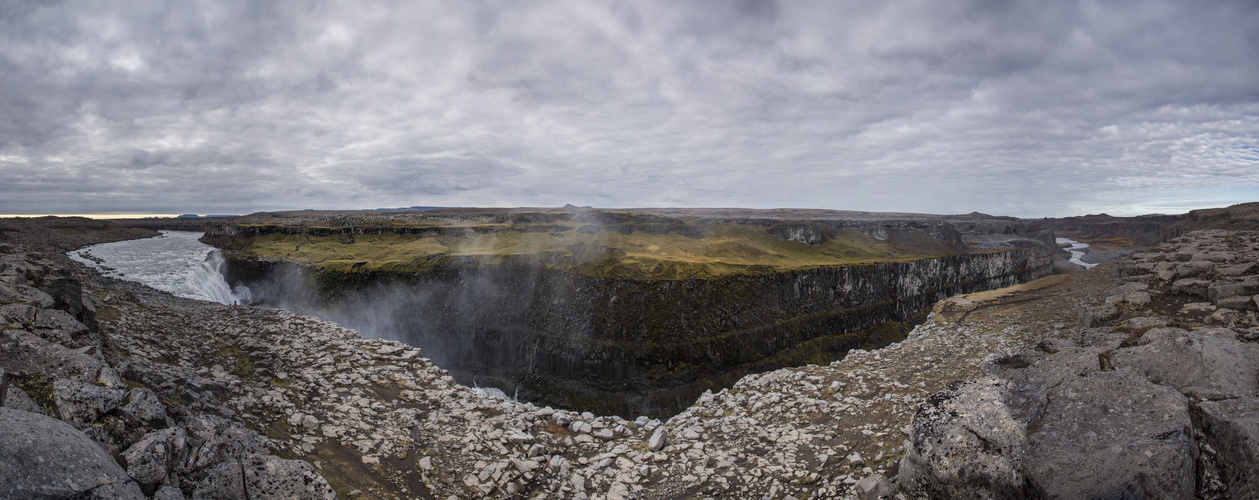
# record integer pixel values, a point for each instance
(614, 331)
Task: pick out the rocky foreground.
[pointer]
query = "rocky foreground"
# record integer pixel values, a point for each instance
(1157, 399)
(114, 390)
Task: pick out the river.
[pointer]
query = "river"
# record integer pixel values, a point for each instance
(174, 262)
(1076, 250)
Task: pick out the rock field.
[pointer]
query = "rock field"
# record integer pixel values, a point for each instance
(1155, 397)
(142, 394)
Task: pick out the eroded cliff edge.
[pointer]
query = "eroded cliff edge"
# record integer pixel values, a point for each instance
(379, 420)
(628, 313)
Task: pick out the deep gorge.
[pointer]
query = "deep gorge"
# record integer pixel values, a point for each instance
(630, 346)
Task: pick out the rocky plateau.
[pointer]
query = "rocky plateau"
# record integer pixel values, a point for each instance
(1136, 379)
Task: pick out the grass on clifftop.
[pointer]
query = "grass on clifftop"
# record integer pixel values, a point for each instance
(724, 249)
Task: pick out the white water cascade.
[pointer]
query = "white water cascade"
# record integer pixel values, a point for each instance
(174, 262)
(1077, 250)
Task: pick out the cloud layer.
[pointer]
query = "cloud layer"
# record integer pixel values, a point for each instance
(1019, 108)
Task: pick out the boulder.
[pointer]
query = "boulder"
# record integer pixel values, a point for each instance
(873, 487)
(26, 354)
(1191, 287)
(42, 457)
(1231, 428)
(144, 408)
(168, 492)
(224, 481)
(17, 399)
(60, 321)
(1195, 363)
(17, 316)
(1113, 435)
(218, 440)
(1100, 314)
(67, 295)
(658, 439)
(271, 477)
(1194, 268)
(23, 294)
(81, 404)
(1221, 290)
(156, 455)
(964, 442)
(1236, 302)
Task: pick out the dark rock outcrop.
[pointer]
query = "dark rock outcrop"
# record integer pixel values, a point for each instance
(42, 457)
(1135, 409)
(65, 411)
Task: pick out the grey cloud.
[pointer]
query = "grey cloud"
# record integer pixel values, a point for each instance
(1022, 108)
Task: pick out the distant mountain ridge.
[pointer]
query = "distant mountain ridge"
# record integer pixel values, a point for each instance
(1152, 229)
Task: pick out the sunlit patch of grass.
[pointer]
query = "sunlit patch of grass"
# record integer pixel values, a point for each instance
(644, 251)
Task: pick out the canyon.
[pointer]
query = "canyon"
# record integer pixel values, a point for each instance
(632, 312)
(151, 390)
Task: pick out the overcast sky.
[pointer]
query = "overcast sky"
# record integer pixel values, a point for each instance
(1026, 108)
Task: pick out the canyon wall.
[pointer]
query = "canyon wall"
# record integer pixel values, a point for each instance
(634, 346)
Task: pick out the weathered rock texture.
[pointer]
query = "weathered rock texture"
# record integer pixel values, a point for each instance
(1154, 398)
(73, 426)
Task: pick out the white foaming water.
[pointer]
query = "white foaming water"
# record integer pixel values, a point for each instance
(1076, 250)
(174, 262)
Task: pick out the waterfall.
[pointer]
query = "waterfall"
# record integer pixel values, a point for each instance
(174, 262)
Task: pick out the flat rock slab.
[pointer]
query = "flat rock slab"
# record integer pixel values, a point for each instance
(42, 457)
(28, 354)
(1113, 435)
(1194, 363)
(81, 404)
(1231, 428)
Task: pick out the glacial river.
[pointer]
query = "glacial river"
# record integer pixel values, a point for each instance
(174, 262)
(1076, 250)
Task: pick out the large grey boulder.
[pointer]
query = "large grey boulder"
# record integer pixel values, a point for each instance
(59, 324)
(271, 477)
(42, 457)
(17, 399)
(67, 295)
(26, 354)
(1194, 363)
(1052, 426)
(224, 481)
(81, 404)
(1113, 435)
(168, 492)
(23, 294)
(218, 440)
(1231, 428)
(144, 408)
(17, 316)
(1194, 268)
(156, 455)
(964, 442)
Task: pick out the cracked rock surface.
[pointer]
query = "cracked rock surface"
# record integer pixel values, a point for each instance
(1155, 396)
